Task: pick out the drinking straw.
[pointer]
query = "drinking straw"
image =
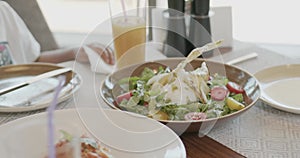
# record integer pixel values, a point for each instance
(124, 10)
(137, 8)
(50, 110)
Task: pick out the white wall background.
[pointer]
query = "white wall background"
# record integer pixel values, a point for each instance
(259, 21)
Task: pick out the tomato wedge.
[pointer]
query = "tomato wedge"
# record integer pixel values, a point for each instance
(218, 93)
(195, 116)
(121, 97)
(234, 87)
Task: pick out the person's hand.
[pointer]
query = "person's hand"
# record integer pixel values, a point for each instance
(104, 52)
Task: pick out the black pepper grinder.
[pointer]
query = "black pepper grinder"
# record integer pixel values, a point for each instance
(200, 31)
(175, 44)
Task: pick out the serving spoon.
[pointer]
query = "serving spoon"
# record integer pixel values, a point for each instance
(195, 53)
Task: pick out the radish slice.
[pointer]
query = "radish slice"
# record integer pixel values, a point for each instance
(195, 116)
(218, 93)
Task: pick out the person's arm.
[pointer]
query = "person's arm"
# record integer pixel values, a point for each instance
(67, 54)
(58, 56)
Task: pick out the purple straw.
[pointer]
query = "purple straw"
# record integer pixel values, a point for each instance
(50, 110)
(124, 10)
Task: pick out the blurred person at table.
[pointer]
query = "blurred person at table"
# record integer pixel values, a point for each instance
(23, 47)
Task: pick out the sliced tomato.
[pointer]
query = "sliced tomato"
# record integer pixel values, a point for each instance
(121, 97)
(146, 103)
(234, 87)
(218, 93)
(195, 116)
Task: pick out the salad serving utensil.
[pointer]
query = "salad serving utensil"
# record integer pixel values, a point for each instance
(195, 53)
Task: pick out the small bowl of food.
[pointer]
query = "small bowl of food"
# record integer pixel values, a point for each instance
(187, 94)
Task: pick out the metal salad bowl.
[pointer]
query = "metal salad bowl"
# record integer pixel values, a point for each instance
(110, 89)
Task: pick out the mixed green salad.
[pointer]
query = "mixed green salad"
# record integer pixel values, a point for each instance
(180, 95)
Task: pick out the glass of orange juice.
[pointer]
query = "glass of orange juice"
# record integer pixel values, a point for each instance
(128, 18)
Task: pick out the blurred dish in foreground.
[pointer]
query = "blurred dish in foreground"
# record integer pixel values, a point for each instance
(280, 87)
(112, 128)
(37, 95)
(87, 147)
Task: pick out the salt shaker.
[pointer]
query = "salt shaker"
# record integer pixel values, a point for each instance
(175, 44)
(200, 31)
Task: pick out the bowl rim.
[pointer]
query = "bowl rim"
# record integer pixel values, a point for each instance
(187, 121)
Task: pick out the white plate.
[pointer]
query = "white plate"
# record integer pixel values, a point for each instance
(280, 87)
(37, 95)
(125, 134)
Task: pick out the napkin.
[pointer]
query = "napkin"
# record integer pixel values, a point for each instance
(98, 65)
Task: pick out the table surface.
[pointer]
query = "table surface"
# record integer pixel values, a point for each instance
(260, 132)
